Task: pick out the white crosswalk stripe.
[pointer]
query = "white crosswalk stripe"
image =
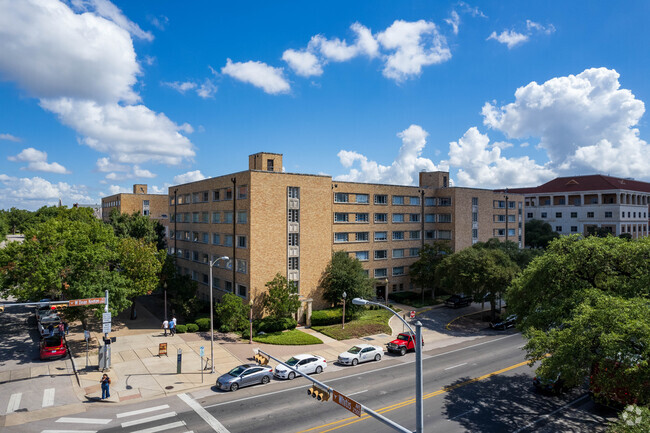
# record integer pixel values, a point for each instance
(69, 431)
(14, 402)
(84, 420)
(162, 427)
(149, 419)
(48, 397)
(141, 411)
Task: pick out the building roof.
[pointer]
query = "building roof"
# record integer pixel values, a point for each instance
(594, 182)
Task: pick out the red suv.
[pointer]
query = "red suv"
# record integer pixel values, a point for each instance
(403, 343)
(53, 347)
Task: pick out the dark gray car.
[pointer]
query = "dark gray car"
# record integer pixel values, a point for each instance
(244, 375)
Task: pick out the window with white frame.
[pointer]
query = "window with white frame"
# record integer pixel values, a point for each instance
(445, 218)
(362, 198)
(241, 241)
(381, 254)
(227, 217)
(381, 218)
(398, 199)
(414, 201)
(381, 236)
(293, 240)
(341, 197)
(340, 237)
(293, 192)
(414, 217)
(414, 234)
(398, 253)
(216, 217)
(381, 199)
(294, 215)
(381, 273)
(362, 256)
(242, 217)
(398, 236)
(361, 236)
(361, 217)
(398, 270)
(340, 217)
(398, 217)
(414, 252)
(294, 263)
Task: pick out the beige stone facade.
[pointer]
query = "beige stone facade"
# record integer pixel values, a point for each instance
(269, 222)
(154, 205)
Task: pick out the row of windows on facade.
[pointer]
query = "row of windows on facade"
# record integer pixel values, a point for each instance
(217, 195)
(501, 204)
(397, 271)
(397, 200)
(223, 240)
(216, 283)
(241, 265)
(396, 236)
(501, 232)
(608, 214)
(111, 203)
(398, 253)
(624, 228)
(591, 199)
(217, 217)
(379, 218)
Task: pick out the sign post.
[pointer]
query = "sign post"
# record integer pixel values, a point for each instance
(179, 360)
(86, 337)
(346, 402)
(412, 314)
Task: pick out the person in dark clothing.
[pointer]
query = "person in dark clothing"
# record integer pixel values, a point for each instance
(106, 381)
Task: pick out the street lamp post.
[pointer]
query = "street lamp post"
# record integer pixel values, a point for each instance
(386, 291)
(165, 287)
(212, 263)
(419, 409)
(345, 295)
(250, 320)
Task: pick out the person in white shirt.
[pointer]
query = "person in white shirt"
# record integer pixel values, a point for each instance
(165, 326)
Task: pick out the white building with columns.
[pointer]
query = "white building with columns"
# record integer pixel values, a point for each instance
(575, 204)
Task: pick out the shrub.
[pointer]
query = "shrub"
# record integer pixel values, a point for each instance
(192, 327)
(232, 313)
(203, 323)
(270, 324)
(331, 316)
(181, 329)
(293, 337)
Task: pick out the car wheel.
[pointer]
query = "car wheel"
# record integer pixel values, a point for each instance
(354, 362)
(265, 379)
(292, 375)
(319, 369)
(377, 357)
(402, 351)
(234, 387)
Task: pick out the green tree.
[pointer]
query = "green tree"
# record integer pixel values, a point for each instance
(345, 274)
(232, 313)
(521, 256)
(539, 234)
(281, 298)
(138, 226)
(586, 302)
(423, 272)
(633, 419)
(482, 273)
(19, 220)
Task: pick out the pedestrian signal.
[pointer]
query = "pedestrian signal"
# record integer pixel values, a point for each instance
(261, 359)
(318, 393)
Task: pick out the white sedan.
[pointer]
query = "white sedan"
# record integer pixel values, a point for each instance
(305, 364)
(361, 353)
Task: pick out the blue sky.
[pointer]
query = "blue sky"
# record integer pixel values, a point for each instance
(96, 96)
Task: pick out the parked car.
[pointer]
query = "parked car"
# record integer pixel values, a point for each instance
(361, 353)
(457, 301)
(509, 322)
(244, 375)
(53, 347)
(305, 364)
(403, 343)
(51, 318)
(43, 329)
(44, 311)
(550, 386)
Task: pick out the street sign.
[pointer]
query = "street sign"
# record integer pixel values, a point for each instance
(346, 402)
(106, 327)
(106, 317)
(412, 314)
(89, 301)
(86, 335)
(201, 351)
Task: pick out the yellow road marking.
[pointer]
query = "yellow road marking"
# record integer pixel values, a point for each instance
(354, 419)
(464, 315)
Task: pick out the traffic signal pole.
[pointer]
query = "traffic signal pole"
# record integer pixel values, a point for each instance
(329, 389)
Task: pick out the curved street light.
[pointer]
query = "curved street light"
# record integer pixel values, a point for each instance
(212, 263)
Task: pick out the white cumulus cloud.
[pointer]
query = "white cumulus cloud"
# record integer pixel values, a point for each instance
(509, 37)
(180, 87)
(37, 161)
(303, 63)
(190, 176)
(453, 21)
(403, 171)
(207, 89)
(259, 74)
(10, 137)
(33, 193)
(106, 9)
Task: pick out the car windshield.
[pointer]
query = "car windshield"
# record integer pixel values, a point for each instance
(52, 341)
(403, 337)
(355, 350)
(292, 361)
(237, 371)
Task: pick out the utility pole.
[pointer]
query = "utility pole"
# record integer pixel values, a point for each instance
(506, 214)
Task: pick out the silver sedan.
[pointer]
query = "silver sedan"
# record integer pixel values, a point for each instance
(361, 353)
(244, 375)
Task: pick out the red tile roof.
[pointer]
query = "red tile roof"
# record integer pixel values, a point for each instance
(594, 182)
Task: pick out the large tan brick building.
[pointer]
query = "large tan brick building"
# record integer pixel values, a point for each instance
(153, 205)
(271, 222)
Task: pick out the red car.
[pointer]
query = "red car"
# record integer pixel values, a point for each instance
(404, 342)
(53, 347)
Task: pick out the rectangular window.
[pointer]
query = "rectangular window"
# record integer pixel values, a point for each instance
(242, 217)
(381, 218)
(590, 214)
(558, 214)
(228, 286)
(294, 263)
(381, 199)
(381, 236)
(361, 217)
(215, 195)
(558, 229)
(195, 197)
(241, 290)
(444, 201)
(543, 214)
(216, 217)
(430, 201)
(294, 215)
(414, 217)
(241, 241)
(205, 195)
(195, 217)
(529, 215)
(414, 201)
(361, 236)
(474, 217)
(414, 252)
(340, 237)
(474, 201)
(362, 198)
(398, 236)
(381, 254)
(242, 192)
(430, 234)
(398, 270)
(340, 217)
(381, 273)
(362, 256)
(205, 278)
(293, 240)
(474, 233)
(444, 234)
(227, 217)
(499, 204)
(444, 218)
(227, 241)
(608, 214)
(228, 193)
(430, 218)
(398, 217)
(205, 217)
(341, 197)
(398, 253)
(216, 282)
(195, 236)
(398, 199)
(216, 239)
(414, 234)
(293, 192)
(205, 237)
(195, 256)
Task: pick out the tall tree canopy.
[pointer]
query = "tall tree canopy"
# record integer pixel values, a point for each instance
(587, 301)
(139, 227)
(345, 274)
(539, 234)
(521, 256)
(423, 272)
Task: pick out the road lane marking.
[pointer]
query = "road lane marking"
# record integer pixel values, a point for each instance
(48, 397)
(149, 419)
(358, 392)
(571, 403)
(200, 411)
(161, 427)
(409, 402)
(141, 411)
(454, 366)
(461, 414)
(69, 431)
(84, 420)
(14, 402)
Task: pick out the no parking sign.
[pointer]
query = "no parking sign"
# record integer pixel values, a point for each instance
(412, 314)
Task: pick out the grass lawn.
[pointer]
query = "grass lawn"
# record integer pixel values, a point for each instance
(370, 322)
(291, 338)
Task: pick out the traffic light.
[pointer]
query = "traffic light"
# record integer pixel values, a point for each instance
(58, 306)
(2, 308)
(318, 393)
(261, 359)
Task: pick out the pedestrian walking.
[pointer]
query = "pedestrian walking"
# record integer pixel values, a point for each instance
(50, 330)
(172, 328)
(165, 326)
(61, 328)
(174, 320)
(66, 328)
(106, 382)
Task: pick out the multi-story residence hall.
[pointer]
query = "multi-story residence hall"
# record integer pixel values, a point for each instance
(269, 222)
(154, 205)
(574, 204)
